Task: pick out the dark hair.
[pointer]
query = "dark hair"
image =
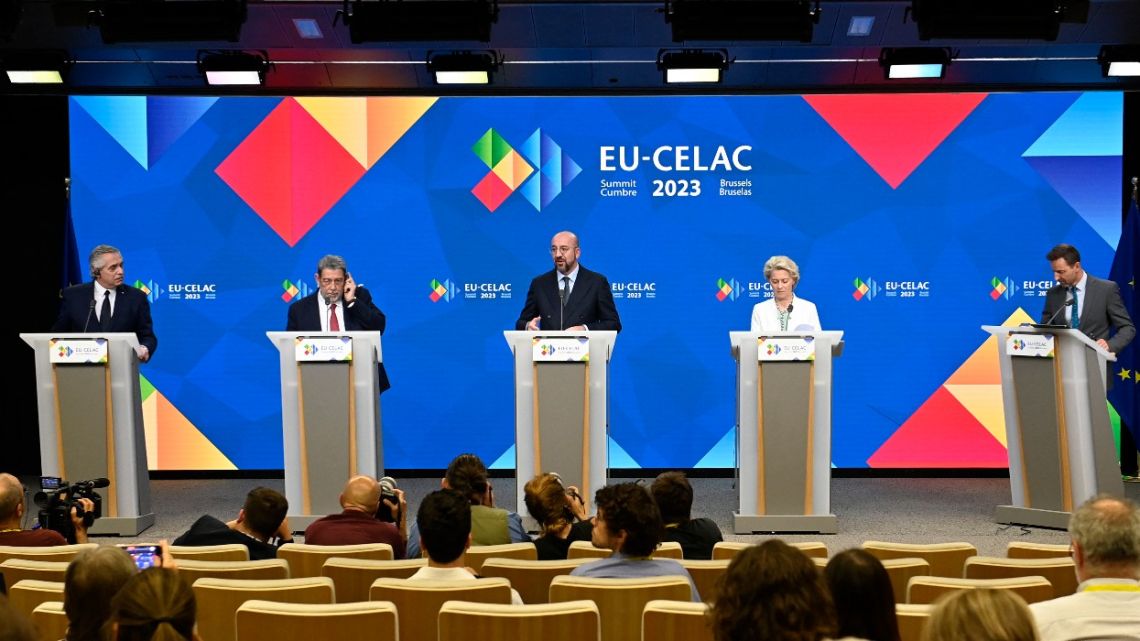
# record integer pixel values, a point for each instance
(468, 475)
(156, 604)
(545, 499)
(92, 579)
(772, 592)
(444, 519)
(674, 497)
(863, 596)
(629, 507)
(265, 509)
(1068, 252)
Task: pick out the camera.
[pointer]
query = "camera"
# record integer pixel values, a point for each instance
(388, 493)
(56, 499)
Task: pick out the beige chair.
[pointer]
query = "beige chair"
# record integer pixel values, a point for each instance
(619, 600)
(227, 552)
(419, 601)
(477, 554)
(307, 560)
(705, 575)
(263, 569)
(25, 595)
(15, 570)
(1025, 550)
(63, 553)
(530, 578)
(586, 550)
(945, 559)
(927, 589)
(912, 619)
(569, 621)
(901, 570)
(669, 550)
(219, 599)
(1060, 571)
(675, 621)
(729, 549)
(354, 577)
(273, 621)
(51, 621)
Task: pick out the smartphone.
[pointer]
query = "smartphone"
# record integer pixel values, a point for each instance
(145, 556)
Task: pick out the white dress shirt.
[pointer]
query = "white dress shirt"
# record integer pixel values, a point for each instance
(804, 318)
(325, 314)
(99, 293)
(1079, 290)
(454, 574)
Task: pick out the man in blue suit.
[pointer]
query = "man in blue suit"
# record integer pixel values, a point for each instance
(338, 305)
(570, 296)
(107, 305)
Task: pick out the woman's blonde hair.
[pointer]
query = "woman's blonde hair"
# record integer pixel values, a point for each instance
(784, 263)
(981, 615)
(545, 499)
(156, 604)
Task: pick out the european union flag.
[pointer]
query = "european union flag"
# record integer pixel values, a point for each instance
(1125, 392)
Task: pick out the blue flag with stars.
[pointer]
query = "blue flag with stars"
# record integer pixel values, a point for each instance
(1125, 392)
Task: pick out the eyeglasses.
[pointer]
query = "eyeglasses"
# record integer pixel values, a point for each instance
(562, 250)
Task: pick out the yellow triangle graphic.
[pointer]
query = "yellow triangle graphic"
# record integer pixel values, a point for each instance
(389, 119)
(346, 120)
(178, 444)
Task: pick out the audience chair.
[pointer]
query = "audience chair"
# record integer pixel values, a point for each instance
(25, 595)
(901, 570)
(419, 601)
(927, 589)
(729, 549)
(307, 560)
(619, 600)
(51, 621)
(530, 578)
(264, 569)
(945, 559)
(272, 621)
(568, 621)
(669, 550)
(48, 553)
(676, 621)
(354, 577)
(227, 552)
(477, 554)
(15, 570)
(219, 599)
(1061, 572)
(586, 550)
(912, 619)
(705, 575)
(1025, 550)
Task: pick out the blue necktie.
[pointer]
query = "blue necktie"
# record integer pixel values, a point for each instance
(1076, 317)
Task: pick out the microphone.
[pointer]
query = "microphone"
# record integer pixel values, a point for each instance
(561, 305)
(100, 482)
(1052, 318)
(90, 313)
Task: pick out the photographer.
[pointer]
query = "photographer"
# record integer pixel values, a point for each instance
(261, 526)
(374, 512)
(561, 512)
(12, 516)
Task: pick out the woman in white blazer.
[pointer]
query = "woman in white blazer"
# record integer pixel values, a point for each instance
(784, 311)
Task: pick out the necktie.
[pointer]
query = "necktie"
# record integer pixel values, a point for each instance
(566, 288)
(334, 324)
(105, 312)
(1076, 317)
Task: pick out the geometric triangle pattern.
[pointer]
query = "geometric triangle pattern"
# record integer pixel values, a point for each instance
(167, 118)
(123, 118)
(172, 441)
(367, 127)
(510, 172)
(556, 169)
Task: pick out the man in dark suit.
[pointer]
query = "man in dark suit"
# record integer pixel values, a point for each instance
(1097, 305)
(570, 296)
(106, 304)
(338, 305)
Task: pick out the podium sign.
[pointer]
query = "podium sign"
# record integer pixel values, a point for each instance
(1031, 345)
(78, 351)
(785, 348)
(323, 350)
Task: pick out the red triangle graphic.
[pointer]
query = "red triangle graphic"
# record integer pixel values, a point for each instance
(941, 433)
(894, 133)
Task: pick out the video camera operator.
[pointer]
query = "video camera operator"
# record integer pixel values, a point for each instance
(12, 516)
(374, 512)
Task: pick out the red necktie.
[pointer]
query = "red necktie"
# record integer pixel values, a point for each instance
(334, 324)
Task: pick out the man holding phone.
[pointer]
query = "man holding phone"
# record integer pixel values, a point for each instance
(338, 305)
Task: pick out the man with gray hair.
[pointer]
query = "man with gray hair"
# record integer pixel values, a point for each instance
(1105, 533)
(107, 305)
(338, 305)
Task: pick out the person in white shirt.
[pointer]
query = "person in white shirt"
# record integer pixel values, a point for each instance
(444, 518)
(784, 312)
(1105, 533)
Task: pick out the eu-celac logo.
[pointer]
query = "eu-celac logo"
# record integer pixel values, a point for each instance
(442, 290)
(773, 349)
(150, 288)
(1018, 344)
(865, 288)
(727, 289)
(64, 351)
(1002, 288)
(514, 170)
(293, 290)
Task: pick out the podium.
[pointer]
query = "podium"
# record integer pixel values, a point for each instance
(783, 430)
(91, 426)
(561, 407)
(330, 417)
(1058, 435)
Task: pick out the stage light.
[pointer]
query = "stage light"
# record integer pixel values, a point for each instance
(233, 67)
(914, 62)
(1119, 61)
(420, 20)
(35, 67)
(463, 67)
(742, 19)
(170, 21)
(692, 65)
(1002, 19)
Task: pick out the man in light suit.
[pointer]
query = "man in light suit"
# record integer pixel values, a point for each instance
(338, 305)
(570, 296)
(1097, 306)
(106, 304)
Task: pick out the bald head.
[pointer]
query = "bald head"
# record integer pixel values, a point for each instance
(1106, 538)
(11, 497)
(361, 493)
(565, 251)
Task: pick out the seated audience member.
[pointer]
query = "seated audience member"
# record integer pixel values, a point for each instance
(93, 578)
(560, 511)
(12, 516)
(13, 625)
(980, 615)
(1105, 534)
(260, 525)
(445, 534)
(674, 498)
(629, 523)
(490, 525)
(155, 605)
(358, 523)
(864, 599)
(772, 592)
